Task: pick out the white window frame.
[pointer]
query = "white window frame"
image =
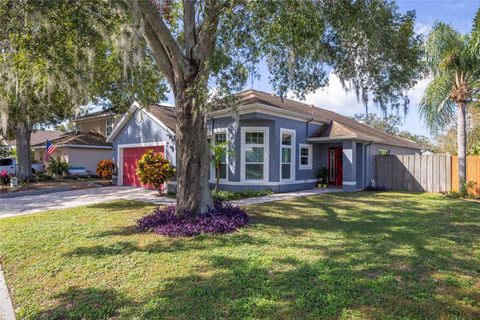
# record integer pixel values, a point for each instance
(106, 126)
(309, 166)
(292, 153)
(266, 152)
(213, 179)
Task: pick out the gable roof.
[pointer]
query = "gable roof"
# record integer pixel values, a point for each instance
(38, 137)
(163, 115)
(337, 126)
(92, 139)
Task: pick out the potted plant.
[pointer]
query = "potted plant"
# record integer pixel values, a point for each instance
(322, 176)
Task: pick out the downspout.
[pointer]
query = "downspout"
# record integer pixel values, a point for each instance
(307, 123)
(365, 162)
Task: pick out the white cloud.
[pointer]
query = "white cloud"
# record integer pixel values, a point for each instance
(422, 28)
(335, 98)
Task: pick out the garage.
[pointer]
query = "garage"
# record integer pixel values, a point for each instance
(130, 159)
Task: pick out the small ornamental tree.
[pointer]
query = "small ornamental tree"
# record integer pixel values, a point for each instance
(220, 152)
(105, 169)
(154, 169)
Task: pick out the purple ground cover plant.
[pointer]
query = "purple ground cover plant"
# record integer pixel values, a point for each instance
(222, 218)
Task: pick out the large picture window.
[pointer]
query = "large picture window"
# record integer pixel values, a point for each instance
(255, 154)
(287, 145)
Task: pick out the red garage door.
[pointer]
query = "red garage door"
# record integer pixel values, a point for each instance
(130, 159)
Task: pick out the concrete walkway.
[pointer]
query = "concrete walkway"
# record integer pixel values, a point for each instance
(68, 199)
(6, 307)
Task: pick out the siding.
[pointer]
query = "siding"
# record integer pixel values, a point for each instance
(147, 132)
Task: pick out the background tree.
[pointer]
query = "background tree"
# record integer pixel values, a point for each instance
(56, 56)
(389, 123)
(369, 45)
(454, 64)
(423, 141)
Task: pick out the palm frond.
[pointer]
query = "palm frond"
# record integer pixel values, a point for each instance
(437, 110)
(443, 47)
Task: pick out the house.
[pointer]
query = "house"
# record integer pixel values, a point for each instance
(278, 144)
(83, 148)
(36, 137)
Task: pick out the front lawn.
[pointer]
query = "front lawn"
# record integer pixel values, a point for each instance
(348, 256)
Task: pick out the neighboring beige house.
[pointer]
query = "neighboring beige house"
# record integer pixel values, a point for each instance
(86, 146)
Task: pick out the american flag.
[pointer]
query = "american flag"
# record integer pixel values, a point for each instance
(50, 149)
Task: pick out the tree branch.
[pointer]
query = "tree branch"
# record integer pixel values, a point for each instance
(180, 63)
(189, 27)
(159, 54)
(207, 34)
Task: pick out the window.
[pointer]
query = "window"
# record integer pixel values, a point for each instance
(287, 145)
(383, 152)
(255, 154)
(305, 156)
(221, 138)
(6, 162)
(109, 126)
(332, 164)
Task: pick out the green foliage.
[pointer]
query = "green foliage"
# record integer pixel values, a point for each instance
(220, 151)
(105, 169)
(389, 123)
(322, 175)
(154, 169)
(229, 195)
(57, 167)
(453, 61)
(423, 141)
(44, 177)
(370, 45)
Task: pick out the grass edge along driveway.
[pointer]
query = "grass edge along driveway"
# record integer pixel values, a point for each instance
(347, 255)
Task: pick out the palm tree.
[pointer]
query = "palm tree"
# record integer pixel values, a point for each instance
(453, 61)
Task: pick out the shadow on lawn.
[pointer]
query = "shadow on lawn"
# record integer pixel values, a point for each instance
(85, 303)
(384, 263)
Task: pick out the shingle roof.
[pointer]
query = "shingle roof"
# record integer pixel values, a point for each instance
(97, 114)
(91, 138)
(337, 125)
(165, 114)
(39, 136)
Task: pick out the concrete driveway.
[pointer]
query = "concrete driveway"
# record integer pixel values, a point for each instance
(67, 199)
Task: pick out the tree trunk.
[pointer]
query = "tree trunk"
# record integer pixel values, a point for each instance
(462, 144)
(192, 155)
(217, 175)
(24, 152)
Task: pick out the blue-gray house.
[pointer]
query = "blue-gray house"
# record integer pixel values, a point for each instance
(277, 144)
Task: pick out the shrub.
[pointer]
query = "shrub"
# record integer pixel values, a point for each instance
(221, 218)
(154, 169)
(4, 178)
(44, 177)
(228, 195)
(57, 167)
(105, 169)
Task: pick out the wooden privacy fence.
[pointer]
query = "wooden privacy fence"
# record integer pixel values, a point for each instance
(431, 173)
(473, 172)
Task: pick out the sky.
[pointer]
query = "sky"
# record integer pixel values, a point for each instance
(458, 13)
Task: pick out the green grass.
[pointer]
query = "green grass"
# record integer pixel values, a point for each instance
(346, 256)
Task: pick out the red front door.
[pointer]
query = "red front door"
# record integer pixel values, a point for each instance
(335, 166)
(130, 159)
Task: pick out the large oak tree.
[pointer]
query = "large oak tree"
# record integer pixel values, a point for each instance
(369, 44)
(58, 55)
